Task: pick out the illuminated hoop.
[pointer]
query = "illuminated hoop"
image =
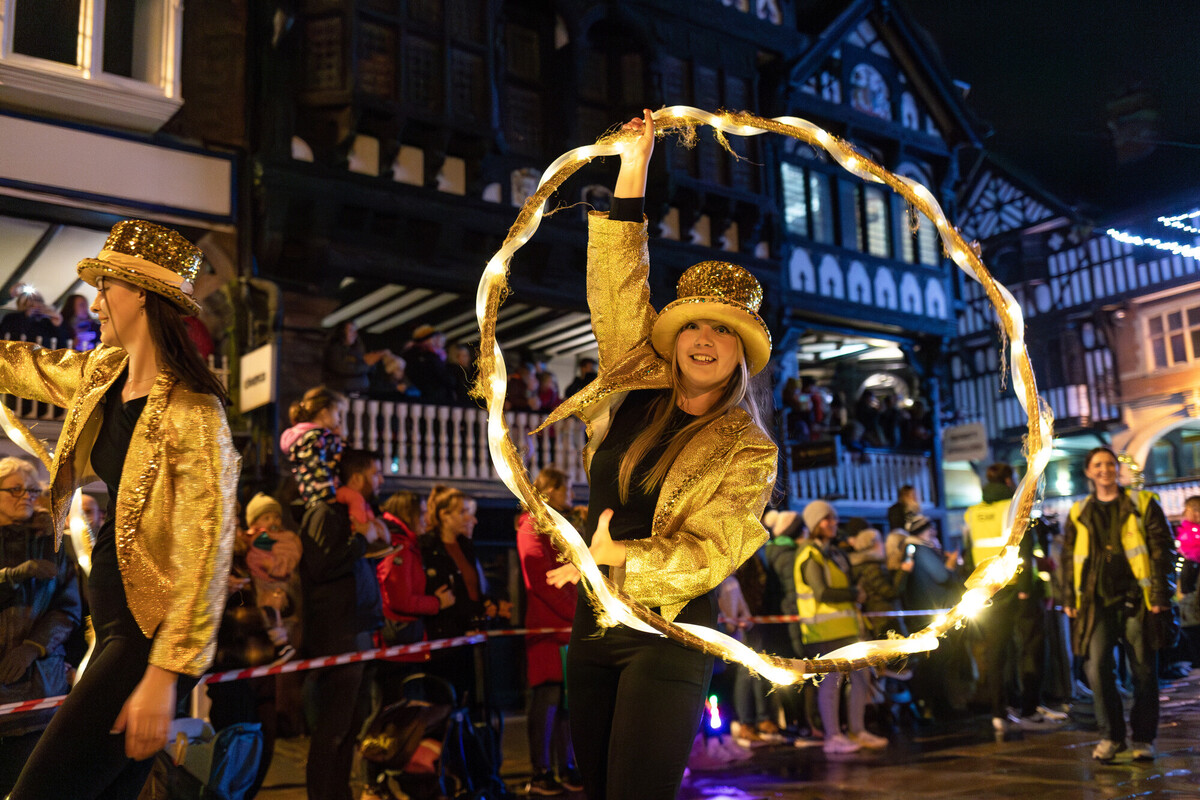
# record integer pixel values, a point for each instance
(614, 606)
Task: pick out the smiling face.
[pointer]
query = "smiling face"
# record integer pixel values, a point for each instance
(706, 352)
(118, 307)
(826, 529)
(1102, 471)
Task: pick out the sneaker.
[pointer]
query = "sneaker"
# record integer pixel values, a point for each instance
(744, 735)
(1144, 751)
(572, 781)
(733, 750)
(869, 740)
(1051, 714)
(283, 654)
(769, 732)
(1032, 722)
(543, 785)
(840, 743)
(1107, 750)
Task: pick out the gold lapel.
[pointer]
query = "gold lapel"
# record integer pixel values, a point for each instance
(705, 456)
(142, 461)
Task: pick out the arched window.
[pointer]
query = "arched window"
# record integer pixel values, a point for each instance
(869, 92)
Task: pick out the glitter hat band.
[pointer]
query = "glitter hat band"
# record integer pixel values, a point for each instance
(721, 292)
(151, 257)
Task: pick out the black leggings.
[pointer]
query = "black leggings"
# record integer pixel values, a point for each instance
(636, 701)
(77, 757)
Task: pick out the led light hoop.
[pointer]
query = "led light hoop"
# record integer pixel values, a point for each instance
(616, 607)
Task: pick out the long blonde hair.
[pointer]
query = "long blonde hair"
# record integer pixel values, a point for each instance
(740, 390)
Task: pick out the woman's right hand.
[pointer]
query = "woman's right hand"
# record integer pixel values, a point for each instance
(635, 158)
(561, 576)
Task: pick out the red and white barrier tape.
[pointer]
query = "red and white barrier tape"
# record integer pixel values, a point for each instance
(406, 649)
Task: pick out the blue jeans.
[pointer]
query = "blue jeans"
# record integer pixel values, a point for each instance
(1116, 624)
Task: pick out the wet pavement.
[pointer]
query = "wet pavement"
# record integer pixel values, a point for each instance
(963, 759)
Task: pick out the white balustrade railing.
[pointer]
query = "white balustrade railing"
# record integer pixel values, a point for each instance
(449, 443)
(871, 477)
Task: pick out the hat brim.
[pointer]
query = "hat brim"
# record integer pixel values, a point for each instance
(92, 269)
(756, 339)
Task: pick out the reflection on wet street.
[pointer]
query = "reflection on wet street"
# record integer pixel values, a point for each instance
(966, 759)
(960, 759)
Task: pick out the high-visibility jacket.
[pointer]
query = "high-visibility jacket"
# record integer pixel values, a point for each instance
(1133, 542)
(985, 528)
(823, 622)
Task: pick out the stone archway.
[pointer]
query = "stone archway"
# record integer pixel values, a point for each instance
(1145, 426)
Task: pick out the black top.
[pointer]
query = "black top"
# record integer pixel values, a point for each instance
(1115, 582)
(106, 593)
(633, 518)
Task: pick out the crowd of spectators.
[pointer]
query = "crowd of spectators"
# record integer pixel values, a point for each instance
(812, 413)
(328, 565)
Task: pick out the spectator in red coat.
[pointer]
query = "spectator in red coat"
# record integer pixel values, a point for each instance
(402, 574)
(547, 607)
(402, 587)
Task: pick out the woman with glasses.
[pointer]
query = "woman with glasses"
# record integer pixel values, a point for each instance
(146, 416)
(39, 609)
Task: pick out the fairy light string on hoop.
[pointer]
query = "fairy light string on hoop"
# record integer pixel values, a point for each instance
(616, 607)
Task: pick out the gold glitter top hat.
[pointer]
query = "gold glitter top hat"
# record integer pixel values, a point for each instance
(149, 256)
(721, 292)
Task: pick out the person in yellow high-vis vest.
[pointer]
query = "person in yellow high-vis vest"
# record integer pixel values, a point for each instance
(1119, 560)
(1017, 607)
(825, 601)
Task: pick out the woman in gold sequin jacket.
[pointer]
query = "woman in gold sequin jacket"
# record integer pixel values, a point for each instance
(145, 415)
(680, 467)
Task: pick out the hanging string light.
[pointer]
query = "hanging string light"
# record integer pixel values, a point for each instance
(614, 606)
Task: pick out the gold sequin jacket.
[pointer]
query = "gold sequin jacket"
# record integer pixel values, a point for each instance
(706, 522)
(177, 502)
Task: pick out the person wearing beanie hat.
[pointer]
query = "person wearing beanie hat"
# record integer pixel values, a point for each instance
(272, 558)
(680, 466)
(826, 601)
(883, 587)
(146, 415)
(816, 511)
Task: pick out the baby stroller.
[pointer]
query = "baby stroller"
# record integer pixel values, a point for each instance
(417, 749)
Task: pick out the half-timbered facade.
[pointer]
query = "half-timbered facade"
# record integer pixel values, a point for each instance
(399, 136)
(1113, 330)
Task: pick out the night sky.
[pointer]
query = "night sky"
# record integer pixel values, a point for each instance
(1048, 77)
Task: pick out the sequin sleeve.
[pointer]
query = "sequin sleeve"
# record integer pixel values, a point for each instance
(35, 373)
(618, 265)
(203, 478)
(711, 541)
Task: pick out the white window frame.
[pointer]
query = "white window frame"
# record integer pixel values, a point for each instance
(83, 91)
(1164, 311)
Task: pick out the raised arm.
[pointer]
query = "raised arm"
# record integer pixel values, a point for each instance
(35, 373)
(618, 258)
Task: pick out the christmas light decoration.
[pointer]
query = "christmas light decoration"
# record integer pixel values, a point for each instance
(613, 606)
(1177, 221)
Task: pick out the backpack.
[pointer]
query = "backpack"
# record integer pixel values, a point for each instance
(470, 764)
(214, 767)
